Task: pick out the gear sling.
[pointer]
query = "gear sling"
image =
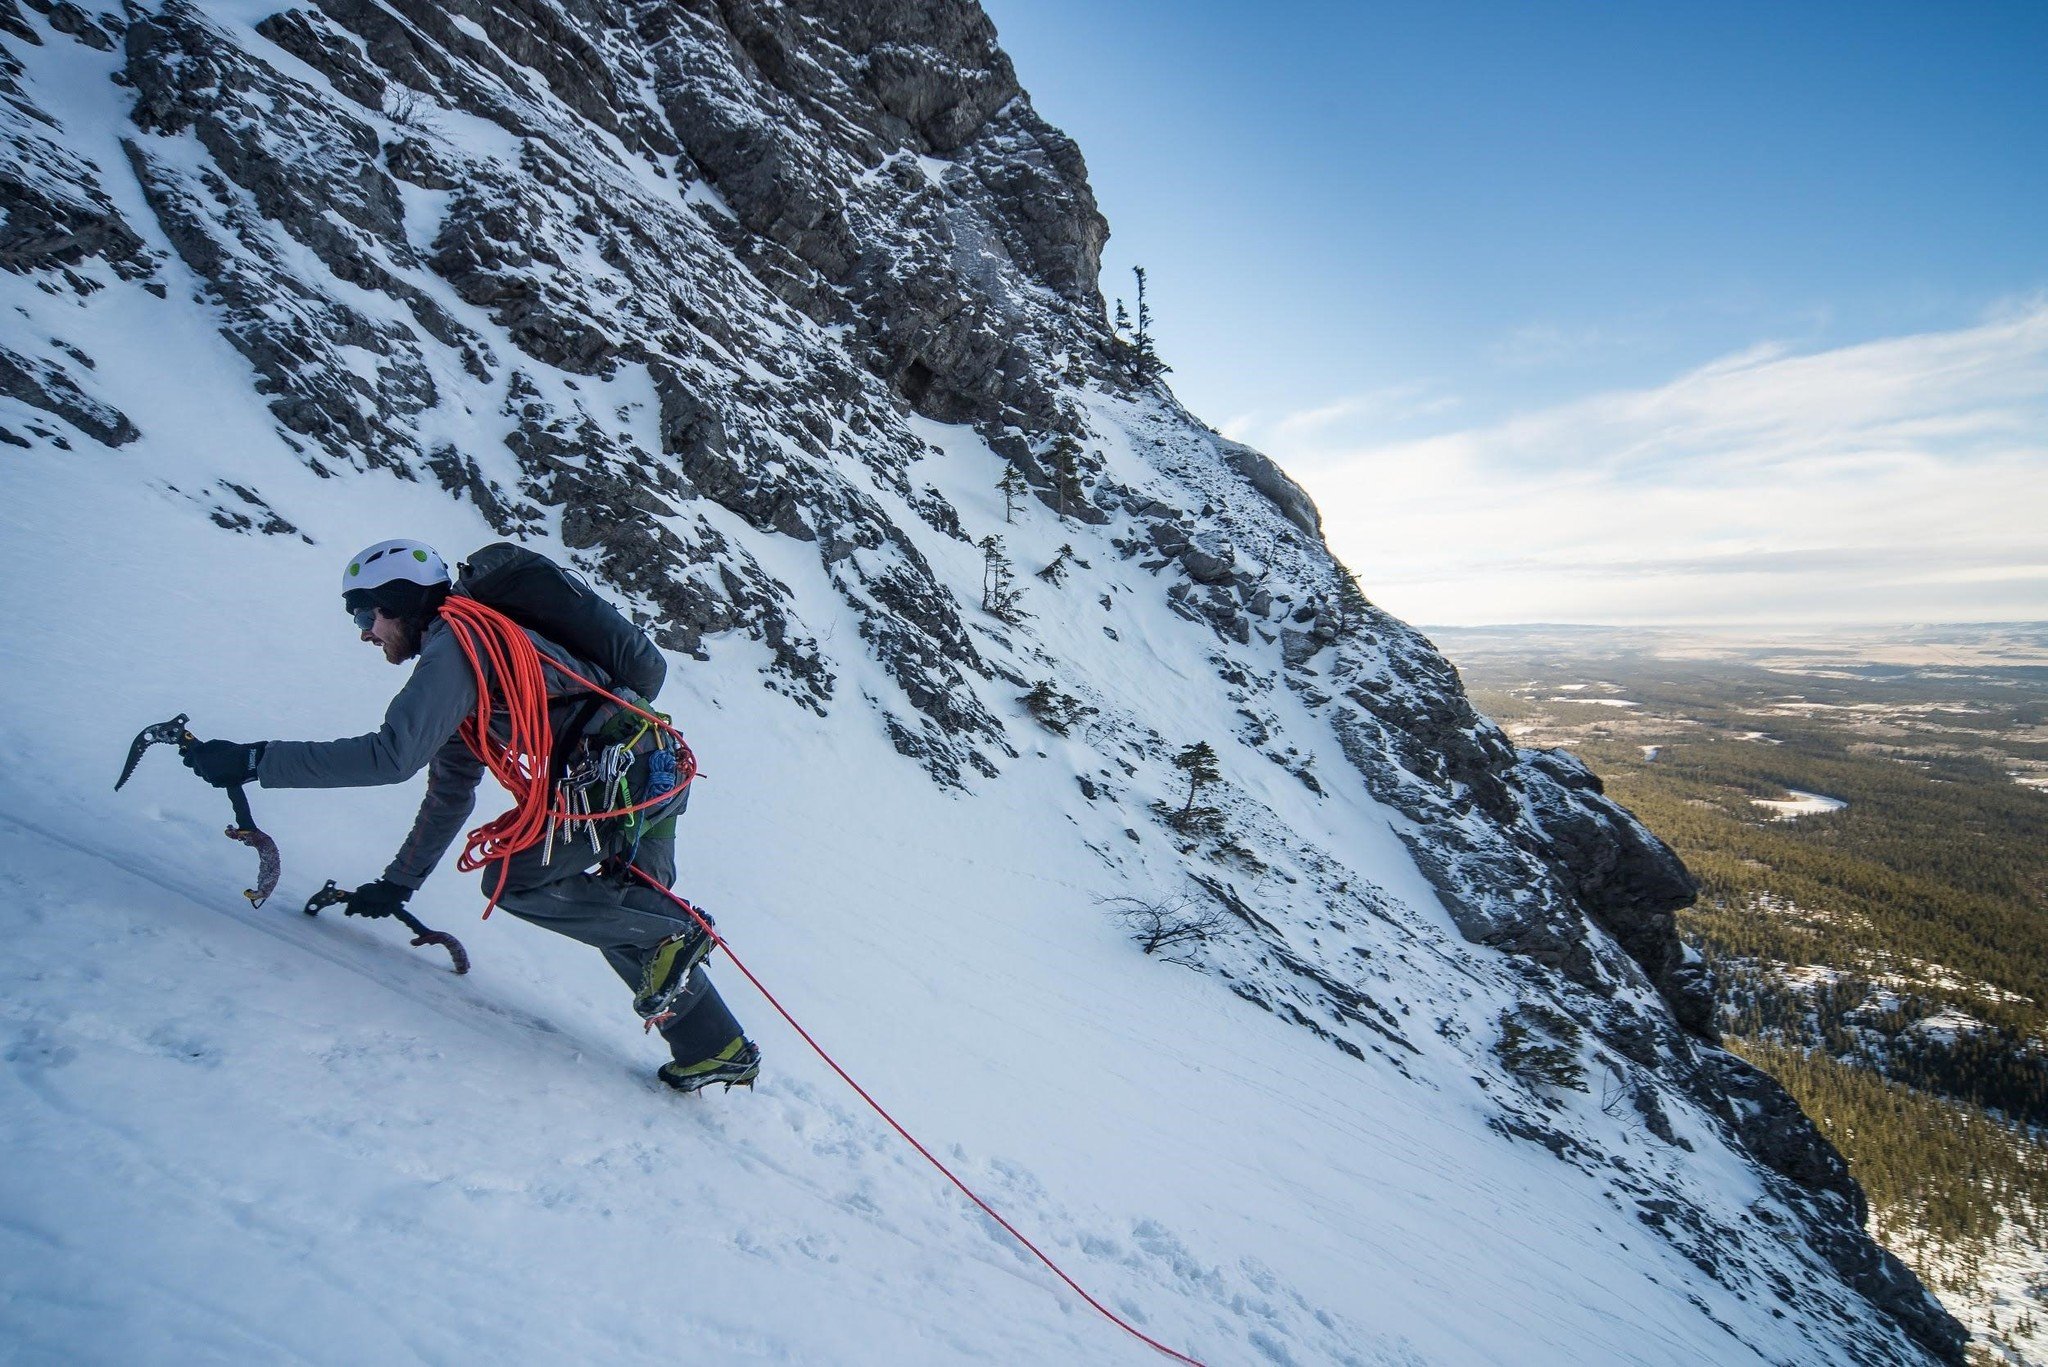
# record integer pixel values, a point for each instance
(634, 770)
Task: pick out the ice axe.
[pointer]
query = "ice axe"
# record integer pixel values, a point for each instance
(173, 732)
(336, 895)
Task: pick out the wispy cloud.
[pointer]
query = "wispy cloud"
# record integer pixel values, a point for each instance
(1856, 482)
(1539, 346)
(1343, 419)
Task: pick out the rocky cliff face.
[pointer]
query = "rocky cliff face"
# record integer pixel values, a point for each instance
(709, 290)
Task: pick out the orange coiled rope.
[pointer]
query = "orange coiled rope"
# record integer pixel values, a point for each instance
(501, 653)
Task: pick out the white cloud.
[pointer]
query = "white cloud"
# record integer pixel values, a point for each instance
(1539, 345)
(1311, 428)
(1902, 478)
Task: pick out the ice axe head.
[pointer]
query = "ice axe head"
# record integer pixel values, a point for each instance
(174, 732)
(331, 895)
(170, 732)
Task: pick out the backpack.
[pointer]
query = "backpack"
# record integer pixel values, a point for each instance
(543, 597)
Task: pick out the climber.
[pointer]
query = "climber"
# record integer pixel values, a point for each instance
(579, 883)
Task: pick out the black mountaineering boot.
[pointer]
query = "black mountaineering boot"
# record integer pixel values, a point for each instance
(668, 971)
(736, 1065)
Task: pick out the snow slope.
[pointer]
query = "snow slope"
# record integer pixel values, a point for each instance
(247, 1135)
(242, 1135)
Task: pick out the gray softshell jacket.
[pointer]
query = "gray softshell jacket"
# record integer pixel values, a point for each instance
(420, 730)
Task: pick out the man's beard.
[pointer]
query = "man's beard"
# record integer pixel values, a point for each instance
(408, 644)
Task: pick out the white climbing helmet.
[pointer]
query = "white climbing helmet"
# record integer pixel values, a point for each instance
(389, 561)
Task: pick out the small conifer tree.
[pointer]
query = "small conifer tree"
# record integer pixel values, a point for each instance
(1120, 347)
(999, 594)
(1353, 607)
(1198, 762)
(1144, 363)
(1057, 570)
(1013, 486)
(1540, 1045)
(1064, 459)
(1056, 711)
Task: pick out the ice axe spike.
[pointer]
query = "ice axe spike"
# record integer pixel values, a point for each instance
(268, 866)
(336, 895)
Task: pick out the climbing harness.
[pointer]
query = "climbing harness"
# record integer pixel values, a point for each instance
(500, 651)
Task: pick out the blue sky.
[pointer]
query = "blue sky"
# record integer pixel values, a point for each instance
(1599, 312)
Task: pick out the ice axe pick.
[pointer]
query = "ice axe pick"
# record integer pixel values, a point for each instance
(336, 895)
(173, 732)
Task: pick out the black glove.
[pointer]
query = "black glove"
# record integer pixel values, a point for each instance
(380, 898)
(223, 763)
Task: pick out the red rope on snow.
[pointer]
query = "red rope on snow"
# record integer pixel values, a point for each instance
(704, 923)
(489, 638)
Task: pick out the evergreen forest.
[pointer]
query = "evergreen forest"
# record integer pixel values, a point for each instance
(1879, 947)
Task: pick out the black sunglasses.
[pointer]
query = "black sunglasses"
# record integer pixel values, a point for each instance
(364, 618)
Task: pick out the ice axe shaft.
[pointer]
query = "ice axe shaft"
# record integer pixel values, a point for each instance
(268, 866)
(240, 800)
(336, 895)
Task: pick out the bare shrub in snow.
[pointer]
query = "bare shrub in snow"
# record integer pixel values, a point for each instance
(409, 109)
(1163, 925)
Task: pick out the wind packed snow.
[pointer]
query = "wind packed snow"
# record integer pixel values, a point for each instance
(253, 1135)
(248, 1135)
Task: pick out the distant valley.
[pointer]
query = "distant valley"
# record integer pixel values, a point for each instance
(1867, 813)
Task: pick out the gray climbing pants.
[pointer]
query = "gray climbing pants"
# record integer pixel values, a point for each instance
(623, 919)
